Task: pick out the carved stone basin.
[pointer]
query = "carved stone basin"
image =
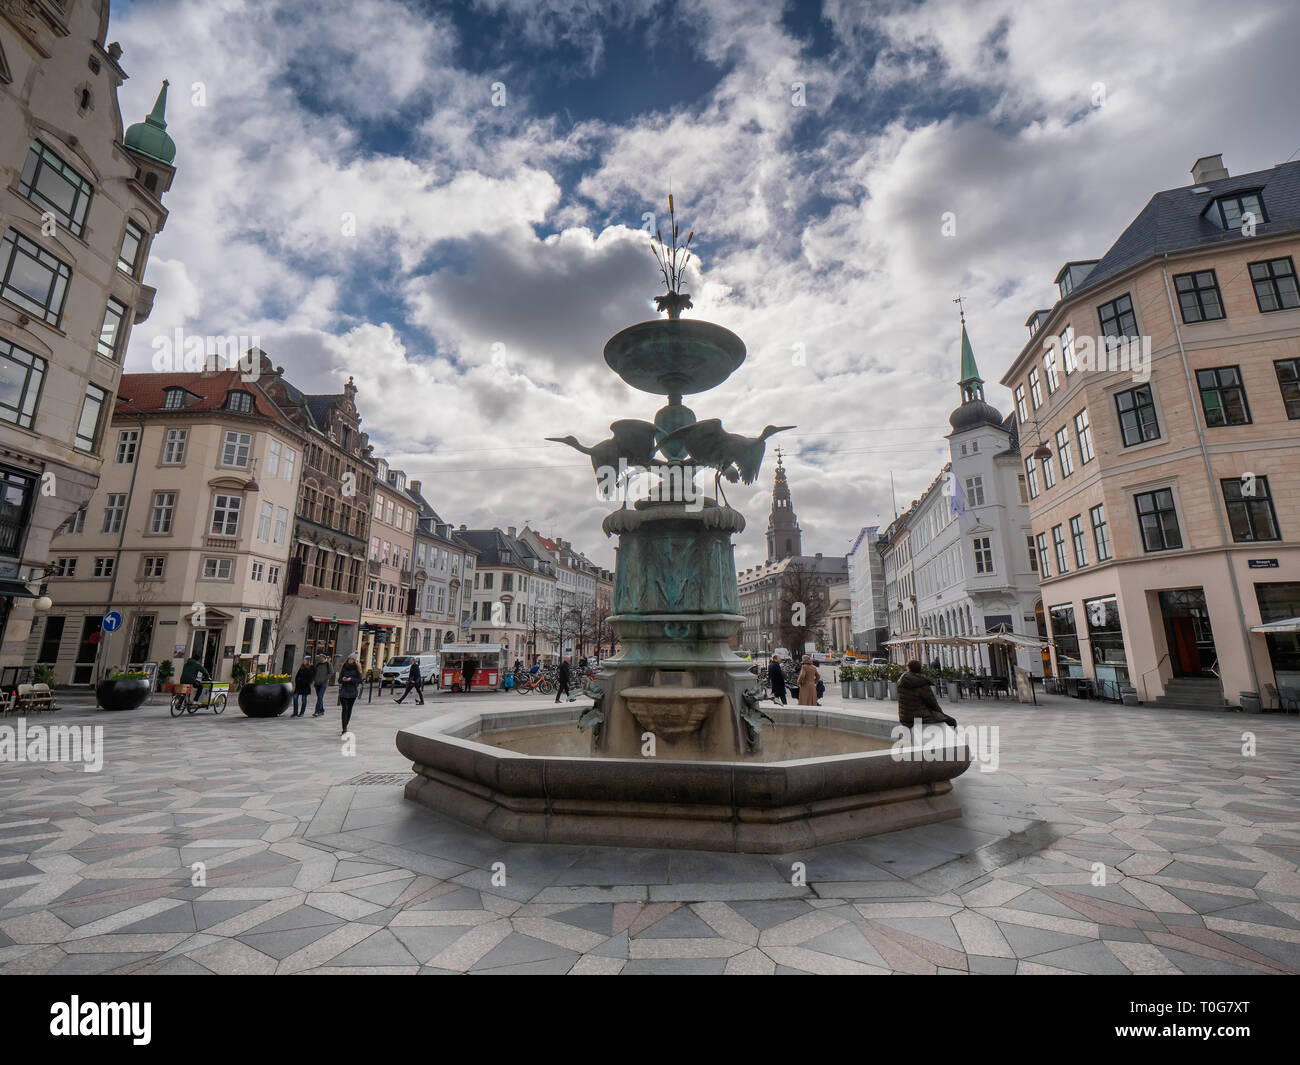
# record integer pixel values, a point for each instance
(671, 712)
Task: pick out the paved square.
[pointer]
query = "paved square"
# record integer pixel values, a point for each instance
(313, 861)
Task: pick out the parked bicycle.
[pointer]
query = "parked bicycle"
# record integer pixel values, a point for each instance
(527, 683)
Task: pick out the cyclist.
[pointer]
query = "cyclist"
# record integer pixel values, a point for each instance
(193, 673)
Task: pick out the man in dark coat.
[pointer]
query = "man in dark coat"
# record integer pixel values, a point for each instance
(302, 681)
(562, 685)
(321, 681)
(467, 672)
(414, 679)
(776, 677)
(916, 699)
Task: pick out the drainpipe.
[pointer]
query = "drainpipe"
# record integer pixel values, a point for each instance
(1215, 493)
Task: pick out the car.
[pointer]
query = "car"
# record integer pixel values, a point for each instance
(396, 669)
(878, 661)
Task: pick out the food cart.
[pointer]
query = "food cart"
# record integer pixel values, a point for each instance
(491, 661)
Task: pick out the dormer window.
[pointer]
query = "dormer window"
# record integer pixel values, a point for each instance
(1230, 211)
(174, 398)
(239, 402)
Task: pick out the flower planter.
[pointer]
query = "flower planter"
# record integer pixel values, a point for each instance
(859, 689)
(893, 691)
(846, 688)
(121, 694)
(265, 700)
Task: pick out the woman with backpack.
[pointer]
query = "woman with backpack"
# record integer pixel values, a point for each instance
(349, 679)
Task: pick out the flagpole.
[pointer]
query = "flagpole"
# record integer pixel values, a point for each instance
(892, 497)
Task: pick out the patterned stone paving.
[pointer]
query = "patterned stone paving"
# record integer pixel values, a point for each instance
(306, 873)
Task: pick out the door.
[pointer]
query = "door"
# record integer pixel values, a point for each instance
(207, 649)
(50, 640)
(141, 638)
(1188, 633)
(1183, 652)
(84, 669)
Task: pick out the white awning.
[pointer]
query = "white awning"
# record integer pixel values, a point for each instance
(1285, 625)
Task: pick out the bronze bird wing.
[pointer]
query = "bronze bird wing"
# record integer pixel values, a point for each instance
(706, 442)
(635, 440)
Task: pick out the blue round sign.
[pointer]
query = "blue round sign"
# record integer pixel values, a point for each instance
(112, 621)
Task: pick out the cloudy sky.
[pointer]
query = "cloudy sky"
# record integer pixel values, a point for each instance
(447, 203)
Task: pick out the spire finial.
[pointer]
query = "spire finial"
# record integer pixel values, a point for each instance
(961, 309)
(157, 115)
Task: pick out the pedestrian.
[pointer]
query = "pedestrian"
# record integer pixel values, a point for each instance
(562, 685)
(350, 679)
(916, 700)
(321, 681)
(467, 673)
(302, 681)
(808, 682)
(414, 679)
(776, 677)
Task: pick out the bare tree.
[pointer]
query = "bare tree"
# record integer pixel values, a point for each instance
(804, 604)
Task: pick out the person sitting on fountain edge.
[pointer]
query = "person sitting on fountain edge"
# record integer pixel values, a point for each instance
(916, 700)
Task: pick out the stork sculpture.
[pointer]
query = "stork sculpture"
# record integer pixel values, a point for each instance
(634, 442)
(730, 455)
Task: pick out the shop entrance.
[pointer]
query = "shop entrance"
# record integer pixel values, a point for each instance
(1188, 633)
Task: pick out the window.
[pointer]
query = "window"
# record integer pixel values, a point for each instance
(54, 186)
(336, 581)
(1250, 508)
(389, 512)
(1083, 430)
(1117, 318)
(1063, 451)
(235, 450)
(64, 567)
(327, 511)
(239, 402)
(1035, 392)
(114, 508)
(76, 523)
(318, 571)
(104, 566)
(1033, 555)
(1049, 473)
(281, 525)
(174, 398)
(21, 375)
(216, 569)
(128, 259)
(1044, 563)
(1022, 412)
(1137, 415)
(1275, 284)
(1229, 211)
(983, 554)
(264, 521)
(127, 440)
(92, 408)
(1223, 397)
(487, 580)
(975, 491)
(1100, 532)
(1023, 486)
(225, 515)
(154, 565)
(272, 458)
(174, 447)
(1198, 296)
(1067, 351)
(273, 575)
(1158, 520)
(1080, 547)
(264, 643)
(370, 595)
(257, 571)
(246, 644)
(1058, 545)
(286, 467)
(110, 330)
(32, 278)
(1050, 371)
(1288, 380)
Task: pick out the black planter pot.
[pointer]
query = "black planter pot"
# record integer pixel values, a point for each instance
(265, 700)
(121, 694)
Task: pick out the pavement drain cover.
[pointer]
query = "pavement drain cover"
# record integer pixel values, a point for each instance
(379, 778)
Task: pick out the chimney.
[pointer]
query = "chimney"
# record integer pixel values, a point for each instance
(415, 486)
(462, 527)
(510, 531)
(1208, 168)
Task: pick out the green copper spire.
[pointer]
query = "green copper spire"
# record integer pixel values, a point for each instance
(969, 371)
(149, 137)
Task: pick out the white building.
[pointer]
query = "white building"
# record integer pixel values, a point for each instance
(868, 607)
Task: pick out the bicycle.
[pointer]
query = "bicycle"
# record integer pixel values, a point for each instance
(528, 683)
(184, 703)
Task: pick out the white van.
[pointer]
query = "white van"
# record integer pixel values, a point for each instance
(397, 667)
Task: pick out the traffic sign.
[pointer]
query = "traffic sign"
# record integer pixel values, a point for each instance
(112, 621)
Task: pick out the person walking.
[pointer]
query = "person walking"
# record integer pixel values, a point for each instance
(467, 673)
(776, 677)
(302, 681)
(414, 679)
(562, 682)
(321, 681)
(808, 679)
(350, 679)
(916, 699)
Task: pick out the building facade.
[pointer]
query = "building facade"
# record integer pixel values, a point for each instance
(511, 592)
(1162, 390)
(868, 605)
(187, 535)
(389, 606)
(80, 206)
(444, 570)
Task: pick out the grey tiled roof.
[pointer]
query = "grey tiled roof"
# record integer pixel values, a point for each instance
(1174, 220)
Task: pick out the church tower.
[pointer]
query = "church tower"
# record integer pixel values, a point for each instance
(784, 539)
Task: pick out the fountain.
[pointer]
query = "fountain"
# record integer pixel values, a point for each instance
(674, 749)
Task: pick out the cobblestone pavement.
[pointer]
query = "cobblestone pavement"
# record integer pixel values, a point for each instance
(315, 863)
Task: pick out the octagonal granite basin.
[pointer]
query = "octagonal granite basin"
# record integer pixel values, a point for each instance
(823, 776)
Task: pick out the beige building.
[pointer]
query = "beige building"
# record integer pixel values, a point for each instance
(80, 203)
(444, 571)
(1166, 508)
(839, 619)
(389, 606)
(187, 536)
(513, 588)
